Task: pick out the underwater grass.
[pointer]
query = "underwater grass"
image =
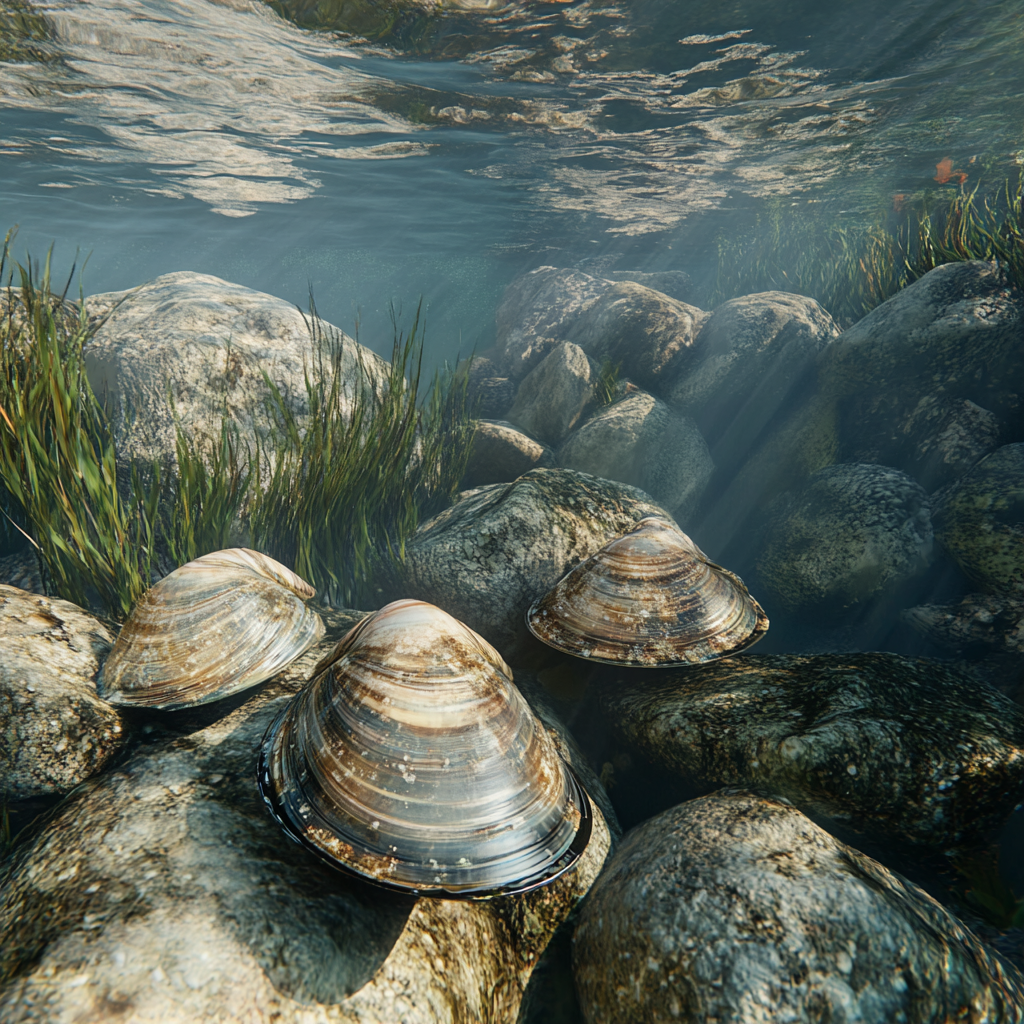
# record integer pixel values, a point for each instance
(336, 497)
(57, 458)
(852, 268)
(345, 495)
(607, 384)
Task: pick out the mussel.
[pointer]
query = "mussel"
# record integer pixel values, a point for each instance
(215, 626)
(648, 599)
(412, 761)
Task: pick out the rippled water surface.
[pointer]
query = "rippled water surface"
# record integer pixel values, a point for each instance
(443, 150)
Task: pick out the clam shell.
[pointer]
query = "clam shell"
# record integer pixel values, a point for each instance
(648, 599)
(213, 627)
(412, 761)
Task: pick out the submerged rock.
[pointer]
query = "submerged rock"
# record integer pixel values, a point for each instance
(647, 334)
(677, 284)
(537, 311)
(553, 395)
(735, 907)
(849, 533)
(165, 891)
(501, 453)
(488, 557)
(904, 749)
(979, 520)
(752, 356)
(640, 441)
(54, 731)
(995, 621)
(200, 343)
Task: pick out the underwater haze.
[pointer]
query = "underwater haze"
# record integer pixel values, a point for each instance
(381, 152)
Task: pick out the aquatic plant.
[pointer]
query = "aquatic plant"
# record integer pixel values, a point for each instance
(345, 493)
(608, 382)
(852, 268)
(336, 497)
(57, 457)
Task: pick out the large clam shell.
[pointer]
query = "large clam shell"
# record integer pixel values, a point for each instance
(648, 599)
(213, 627)
(412, 760)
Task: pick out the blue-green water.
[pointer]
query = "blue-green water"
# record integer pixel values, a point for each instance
(448, 155)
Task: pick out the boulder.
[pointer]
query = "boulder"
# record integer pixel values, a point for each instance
(936, 441)
(752, 356)
(501, 453)
(850, 533)
(905, 749)
(641, 441)
(553, 395)
(488, 557)
(164, 891)
(647, 334)
(735, 907)
(200, 343)
(54, 731)
(21, 570)
(993, 621)
(979, 520)
(536, 313)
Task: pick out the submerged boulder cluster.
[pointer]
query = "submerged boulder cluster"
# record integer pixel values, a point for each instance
(774, 796)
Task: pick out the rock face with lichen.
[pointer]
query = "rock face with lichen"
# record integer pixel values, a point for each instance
(641, 441)
(849, 533)
(54, 731)
(164, 891)
(734, 907)
(903, 749)
(202, 343)
(488, 557)
(980, 521)
(994, 621)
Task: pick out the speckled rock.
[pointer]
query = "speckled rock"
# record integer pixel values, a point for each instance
(536, 313)
(905, 749)
(164, 892)
(992, 620)
(647, 333)
(204, 341)
(954, 332)
(489, 556)
(737, 908)
(849, 533)
(641, 441)
(979, 520)
(553, 395)
(54, 731)
(935, 441)
(751, 356)
(501, 453)
(489, 392)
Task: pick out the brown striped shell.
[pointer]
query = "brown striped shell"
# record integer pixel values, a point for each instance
(213, 627)
(412, 761)
(648, 599)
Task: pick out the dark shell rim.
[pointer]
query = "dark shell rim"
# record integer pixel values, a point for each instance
(566, 860)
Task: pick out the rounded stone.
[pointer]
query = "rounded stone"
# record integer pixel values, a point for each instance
(937, 756)
(486, 559)
(54, 730)
(501, 453)
(849, 533)
(735, 907)
(979, 520)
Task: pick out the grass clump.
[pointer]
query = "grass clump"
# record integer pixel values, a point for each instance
(852, 268)
(607, 386)
(335, 497)
(345, 495)
(57, 458)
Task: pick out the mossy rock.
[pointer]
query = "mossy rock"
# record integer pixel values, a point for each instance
(980, 520)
